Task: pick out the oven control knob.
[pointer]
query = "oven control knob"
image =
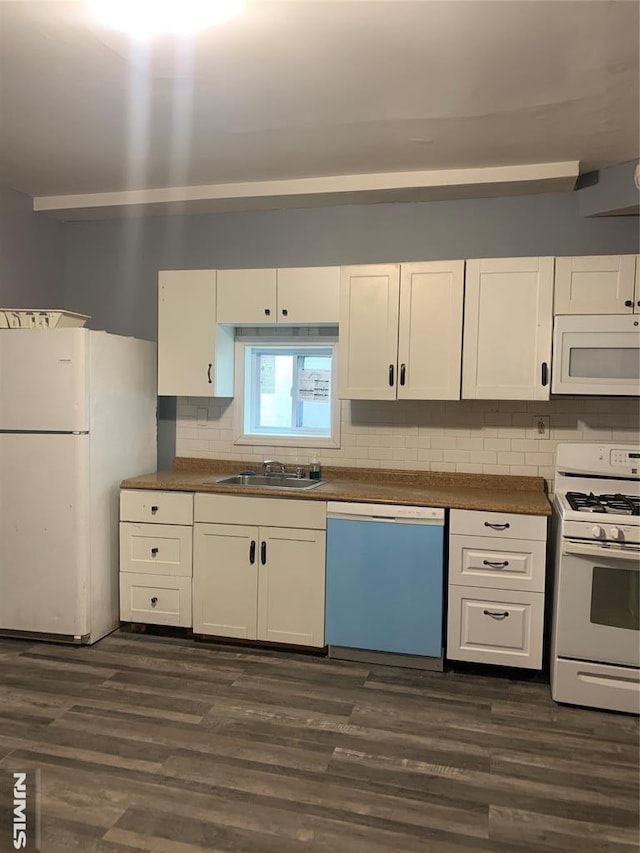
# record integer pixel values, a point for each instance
(597, 532)
(616, 533)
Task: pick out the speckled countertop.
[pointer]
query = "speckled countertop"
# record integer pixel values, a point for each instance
(490, 492)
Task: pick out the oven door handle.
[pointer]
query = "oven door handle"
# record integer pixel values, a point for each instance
(585, 550)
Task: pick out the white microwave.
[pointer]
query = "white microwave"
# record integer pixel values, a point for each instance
(596, 354)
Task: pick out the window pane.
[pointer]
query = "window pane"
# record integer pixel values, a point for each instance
(288, 390)
(276, 380)
(314, 393)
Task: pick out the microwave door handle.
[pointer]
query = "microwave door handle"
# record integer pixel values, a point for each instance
(583, 550)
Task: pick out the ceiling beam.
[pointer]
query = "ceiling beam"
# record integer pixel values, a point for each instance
(615, 193)
(426, 185)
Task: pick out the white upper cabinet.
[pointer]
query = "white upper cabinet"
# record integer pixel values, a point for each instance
(507, 329)
(308, 296)
(596, 284)
(305, 296)
(195, 358)
(430, 330)
(246, 297)
(368, 332)
(401, 331)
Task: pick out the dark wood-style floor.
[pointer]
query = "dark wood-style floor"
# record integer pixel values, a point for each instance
(173, 746)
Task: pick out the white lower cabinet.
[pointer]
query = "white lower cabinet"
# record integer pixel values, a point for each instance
(495, 626)
(156, 557)
(495, 611)
(225, 580)
(156, 599)
(258, 581)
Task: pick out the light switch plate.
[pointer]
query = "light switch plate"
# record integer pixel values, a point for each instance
(203, 417)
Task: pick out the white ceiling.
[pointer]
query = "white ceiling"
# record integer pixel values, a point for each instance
(302, 89)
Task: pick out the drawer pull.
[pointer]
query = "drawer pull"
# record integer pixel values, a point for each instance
(154, 601)
(496, 614)
(154, 510)
(496, 564)
(504, 526)
(154, 552)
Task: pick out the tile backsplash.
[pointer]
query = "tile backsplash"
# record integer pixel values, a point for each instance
(471, 436)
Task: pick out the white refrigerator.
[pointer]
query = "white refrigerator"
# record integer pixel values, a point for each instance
(77, 416)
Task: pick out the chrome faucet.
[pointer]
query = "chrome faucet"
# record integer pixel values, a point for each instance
(269, 464)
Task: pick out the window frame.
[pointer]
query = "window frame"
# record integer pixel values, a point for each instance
(240, 437)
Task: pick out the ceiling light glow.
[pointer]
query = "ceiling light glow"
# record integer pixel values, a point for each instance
(147, 18)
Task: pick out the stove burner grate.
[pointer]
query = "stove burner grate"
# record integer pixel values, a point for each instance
(620, 504)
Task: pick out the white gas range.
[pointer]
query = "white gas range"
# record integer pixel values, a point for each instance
(595, 654)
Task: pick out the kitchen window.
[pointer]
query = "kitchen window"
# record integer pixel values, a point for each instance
(287, 392)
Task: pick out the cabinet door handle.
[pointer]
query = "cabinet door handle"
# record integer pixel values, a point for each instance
(154, 601)
(496, 614)
(209, 373)
(496, 565)
(628, 303)
(391, 371)
(504, 526)
(252, 552)
(284, 312)
(267, 311)
(154, 510)
(263, 552)
(545, 373)
(154, 552)
(403, 373)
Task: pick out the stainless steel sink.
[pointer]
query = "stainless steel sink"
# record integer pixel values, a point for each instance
(273, 481)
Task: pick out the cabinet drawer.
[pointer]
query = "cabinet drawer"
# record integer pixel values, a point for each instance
(157, 599)
(157, 549)
(502, 525)
(596, 684)
(482, 561)
(272, 512)
(156, 507)
(478, 631)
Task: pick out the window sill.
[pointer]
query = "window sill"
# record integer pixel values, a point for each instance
(286, 441)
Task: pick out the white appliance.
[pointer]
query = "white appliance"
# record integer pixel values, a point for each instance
(596, 354)
(384, 590)
(77, 416)
(595, 653)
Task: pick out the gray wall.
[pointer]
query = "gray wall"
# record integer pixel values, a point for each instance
(31, 255)
(111, 266)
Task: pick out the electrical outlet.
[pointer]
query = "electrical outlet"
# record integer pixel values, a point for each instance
(541, 426)
(203, 417)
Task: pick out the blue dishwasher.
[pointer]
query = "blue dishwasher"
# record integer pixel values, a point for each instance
(384, 580)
